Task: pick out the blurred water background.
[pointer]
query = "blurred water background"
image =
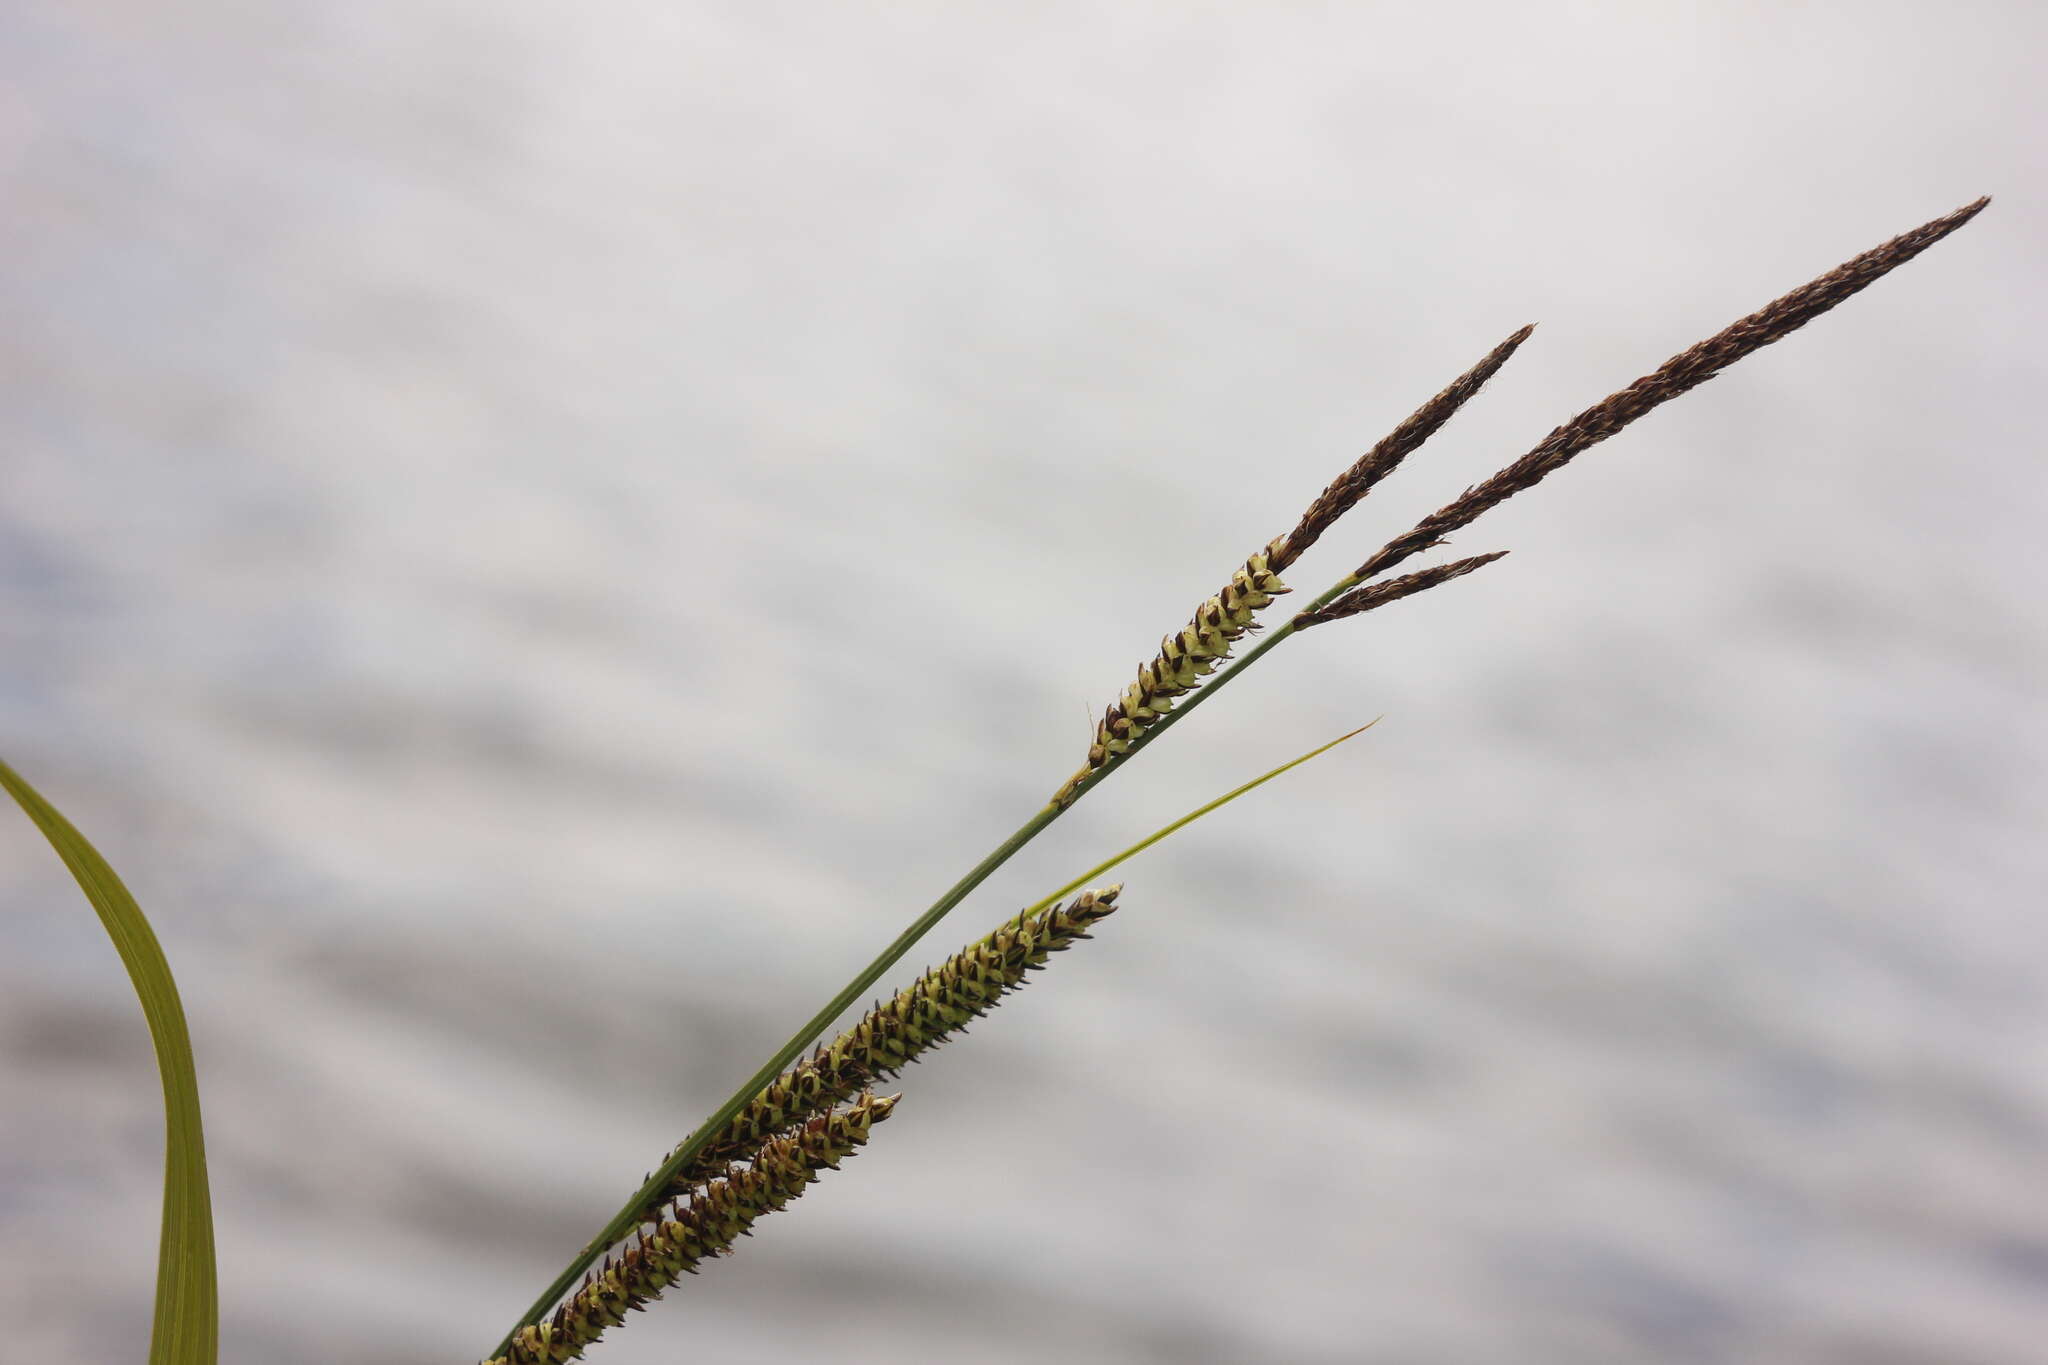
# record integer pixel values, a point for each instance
(537, 536)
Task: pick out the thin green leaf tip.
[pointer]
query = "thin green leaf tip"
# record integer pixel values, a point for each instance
(186, 1330)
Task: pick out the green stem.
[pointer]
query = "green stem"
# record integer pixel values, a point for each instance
(629, 1216)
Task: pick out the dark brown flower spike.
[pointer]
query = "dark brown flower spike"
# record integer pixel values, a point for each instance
(1684, 371)
(1348, 488)
(1393, 590)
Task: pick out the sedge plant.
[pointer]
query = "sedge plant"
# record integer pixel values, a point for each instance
(811, 1104)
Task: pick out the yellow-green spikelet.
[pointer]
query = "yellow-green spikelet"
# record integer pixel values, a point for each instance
(698, 1228)
(1182, 662)
(895, 1032)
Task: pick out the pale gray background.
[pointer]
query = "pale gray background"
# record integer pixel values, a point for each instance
(536, 536)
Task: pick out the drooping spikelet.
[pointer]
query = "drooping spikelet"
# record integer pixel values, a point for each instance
(893, 1034)
(696, 1229)
(1387, 590)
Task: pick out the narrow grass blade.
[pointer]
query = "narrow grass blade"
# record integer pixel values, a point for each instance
(187, 1326)
(1094, 873)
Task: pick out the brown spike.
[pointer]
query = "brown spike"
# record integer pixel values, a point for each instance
(1388, 590)
(1383, 459)
(1684, 371)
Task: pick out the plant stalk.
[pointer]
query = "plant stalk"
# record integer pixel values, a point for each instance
(628, 1217)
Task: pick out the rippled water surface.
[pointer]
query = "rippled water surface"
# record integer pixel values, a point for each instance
(536, 537)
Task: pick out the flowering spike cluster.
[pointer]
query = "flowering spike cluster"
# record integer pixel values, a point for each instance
(1682, 373)
(1183, 661)
(696, 1229)
(893, 1034)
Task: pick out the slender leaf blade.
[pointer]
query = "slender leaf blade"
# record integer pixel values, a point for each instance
(187, 1325)
(1197, 813)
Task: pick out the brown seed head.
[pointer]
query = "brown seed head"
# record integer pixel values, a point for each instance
(1684, 371)
(1393, 590)
(1354, 483)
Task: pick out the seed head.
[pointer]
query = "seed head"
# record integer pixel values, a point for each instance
(697, 1228)
(1683, 372)
(898, 1031)
(1393, 590)
(1182, 662)
(1354, 483)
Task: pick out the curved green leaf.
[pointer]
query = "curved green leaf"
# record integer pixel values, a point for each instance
(187, 1327)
